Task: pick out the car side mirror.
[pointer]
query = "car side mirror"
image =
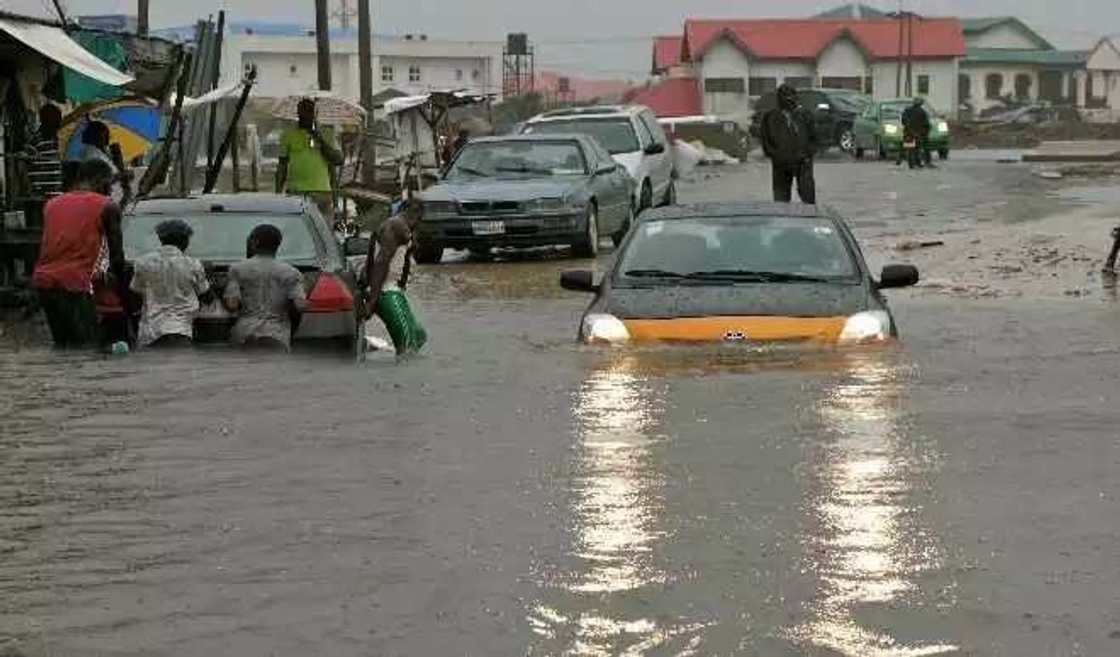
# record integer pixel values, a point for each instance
(896, 276)
(655, 149)
(578, 281)
(606, 169)
(355, 246)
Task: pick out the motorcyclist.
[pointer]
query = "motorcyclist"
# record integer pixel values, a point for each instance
(915, 129)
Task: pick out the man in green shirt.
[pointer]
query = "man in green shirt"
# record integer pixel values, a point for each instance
(307, 156)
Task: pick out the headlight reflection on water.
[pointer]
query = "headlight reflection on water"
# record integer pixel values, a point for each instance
(871, 551)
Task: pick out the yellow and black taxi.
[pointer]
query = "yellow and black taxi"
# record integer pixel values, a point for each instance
(740, 273)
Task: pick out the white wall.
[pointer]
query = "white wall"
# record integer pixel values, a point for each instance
(782, 70)
(842, 59)
(979, 75)
(1003, 36)
(724, 60)
(943, 82)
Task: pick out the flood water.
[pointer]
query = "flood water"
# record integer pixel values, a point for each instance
(512, 493)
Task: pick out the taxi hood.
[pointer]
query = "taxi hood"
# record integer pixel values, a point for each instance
(763, 299)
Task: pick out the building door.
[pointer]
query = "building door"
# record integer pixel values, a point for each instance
(1050, 86)
(964, 86)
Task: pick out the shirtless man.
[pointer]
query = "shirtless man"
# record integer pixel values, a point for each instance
(394, 234)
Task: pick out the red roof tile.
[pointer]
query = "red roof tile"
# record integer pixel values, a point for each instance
(670, 98)
(805, 39)
(666, 52)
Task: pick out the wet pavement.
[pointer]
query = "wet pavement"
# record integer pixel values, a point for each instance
(512, 493)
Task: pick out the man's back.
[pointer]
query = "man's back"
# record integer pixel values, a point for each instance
(308, 169)
(72, 241)
(266, 289)
(170, 282)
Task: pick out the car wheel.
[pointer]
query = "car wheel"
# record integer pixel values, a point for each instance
(620, 234)
(588, 244)
(427, 254)
(671, 194)
(646, 201)
(847, 141)
(943, 154)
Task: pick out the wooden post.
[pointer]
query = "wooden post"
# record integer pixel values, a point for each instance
(323, 44)
(216, 167)
(142, 17)
(217, 75)
(365, 68)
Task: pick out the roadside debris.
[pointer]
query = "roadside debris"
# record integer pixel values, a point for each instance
(915, 245)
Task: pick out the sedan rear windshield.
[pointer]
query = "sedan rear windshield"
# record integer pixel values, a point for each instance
(616, 135)
(519, 158)
(222, 236)
(738, 248)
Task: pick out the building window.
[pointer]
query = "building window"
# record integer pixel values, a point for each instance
(458, 75)
(476, 75)
(293, 70)
(849, 83)
(723, 85)
(413, 73)
(993, 86)
(923, 85)
(1023, 84)
(799, 82)
(964, 86)
(869, 86)
(387, 73)
(759, 86)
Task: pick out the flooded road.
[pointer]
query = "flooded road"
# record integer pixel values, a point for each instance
(512, 493)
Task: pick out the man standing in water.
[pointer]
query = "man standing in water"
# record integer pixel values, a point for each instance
(394, 234)
(308, 156)
(789, 139)
(75, 225)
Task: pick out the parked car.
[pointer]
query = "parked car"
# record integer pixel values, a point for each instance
(222, 224)
(879, 129)
(834, 112)
(742, 273)
(712, 131)
(527, 191)
(633, 137)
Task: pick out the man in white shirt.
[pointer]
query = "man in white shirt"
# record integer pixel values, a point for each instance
(173, 285)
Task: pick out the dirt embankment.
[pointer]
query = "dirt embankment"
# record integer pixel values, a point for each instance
(1014, 135)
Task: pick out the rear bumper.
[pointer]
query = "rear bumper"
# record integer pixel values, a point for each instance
(519, 231)
(313, 326)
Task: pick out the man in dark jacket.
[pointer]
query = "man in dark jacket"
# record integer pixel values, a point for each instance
(915, 128)
(789, 139)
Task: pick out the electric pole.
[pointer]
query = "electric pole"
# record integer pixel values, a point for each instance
(323, 44)
(142, 18)
(365, 78)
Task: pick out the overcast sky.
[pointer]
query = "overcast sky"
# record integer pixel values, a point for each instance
(608, 37)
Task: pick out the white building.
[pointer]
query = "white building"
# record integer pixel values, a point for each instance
(287, 64)
(1102, 79)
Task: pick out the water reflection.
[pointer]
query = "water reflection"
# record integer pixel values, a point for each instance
(869, 541)
(616, 507)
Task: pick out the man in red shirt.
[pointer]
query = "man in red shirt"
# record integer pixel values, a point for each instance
(76, 227)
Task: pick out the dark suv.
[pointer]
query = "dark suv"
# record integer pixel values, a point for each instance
(835, 111)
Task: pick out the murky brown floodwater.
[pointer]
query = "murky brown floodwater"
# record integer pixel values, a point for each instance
(511, 493)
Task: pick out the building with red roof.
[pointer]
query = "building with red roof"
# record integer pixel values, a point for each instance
(732, 62)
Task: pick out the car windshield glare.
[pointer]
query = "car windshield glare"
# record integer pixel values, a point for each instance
(754, 249)
(616, 135)
(519, 158)
(222, 237)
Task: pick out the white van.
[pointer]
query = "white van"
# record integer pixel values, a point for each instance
(633, 137)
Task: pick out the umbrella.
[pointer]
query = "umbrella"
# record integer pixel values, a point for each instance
(329, 109)
(134, 124)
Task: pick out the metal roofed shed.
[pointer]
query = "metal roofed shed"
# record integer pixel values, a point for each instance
(53, 43)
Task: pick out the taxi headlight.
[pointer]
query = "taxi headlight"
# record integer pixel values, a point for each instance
(862, 328)
(890, 129)
(942, 126)
(603, 328)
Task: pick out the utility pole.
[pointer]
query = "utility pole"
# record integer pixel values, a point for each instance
(365, 78)
(142, 18)
(898, 73)
(323, 44)
(909, 54)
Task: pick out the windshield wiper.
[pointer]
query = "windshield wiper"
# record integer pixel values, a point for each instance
(757, 276)
(543, 172)
(653, 273)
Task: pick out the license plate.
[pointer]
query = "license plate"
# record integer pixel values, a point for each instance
(489, 227)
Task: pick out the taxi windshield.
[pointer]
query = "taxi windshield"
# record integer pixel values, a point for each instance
(751, 249)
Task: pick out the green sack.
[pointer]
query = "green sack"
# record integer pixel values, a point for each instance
(405, 330)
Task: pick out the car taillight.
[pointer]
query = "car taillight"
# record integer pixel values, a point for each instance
(329, 295)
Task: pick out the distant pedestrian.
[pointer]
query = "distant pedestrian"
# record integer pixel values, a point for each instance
(96, 145)
(789, 139)
(916, 125)
(308, 155)
(80, 228)
(267, 294)
(173, 285)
